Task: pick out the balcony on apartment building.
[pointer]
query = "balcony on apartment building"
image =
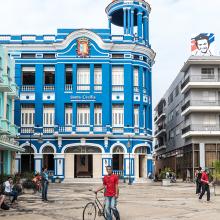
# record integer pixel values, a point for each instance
(200, 106)
(200, 130)
(200, 81)
(159, 147)
(161, 130)
(7, 128)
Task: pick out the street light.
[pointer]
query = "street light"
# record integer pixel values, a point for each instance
(129, 153)
(39, 140)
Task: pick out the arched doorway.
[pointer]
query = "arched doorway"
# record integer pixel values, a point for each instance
(27, 160)
(141, 161)
(48, 159)
(118, 160)
(84, 159)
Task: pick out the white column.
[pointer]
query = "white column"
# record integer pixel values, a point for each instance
(202, 155)
(18, 163)
(38, 158)
(59, 165)
(129, 168)
(106, 161)
(97, 166)
(69, 165)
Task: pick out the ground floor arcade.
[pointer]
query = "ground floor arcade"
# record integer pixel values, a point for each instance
(85, 161)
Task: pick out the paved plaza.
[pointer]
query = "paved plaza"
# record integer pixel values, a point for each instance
(138, 201)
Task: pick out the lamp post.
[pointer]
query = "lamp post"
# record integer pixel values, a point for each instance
(129, 156)
(39, 140)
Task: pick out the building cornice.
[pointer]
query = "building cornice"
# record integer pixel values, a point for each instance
(108, 46)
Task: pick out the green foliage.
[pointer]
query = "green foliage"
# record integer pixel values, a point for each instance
(3, 178)
(27, 175)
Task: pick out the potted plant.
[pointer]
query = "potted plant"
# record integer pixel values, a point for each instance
(165, 176)
(216, 177)
(28, 186)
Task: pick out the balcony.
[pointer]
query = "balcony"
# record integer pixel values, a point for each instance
(49, 87)
(159, 147)
(68, 87)
(200, 81)
(28, 88)
(200, 106)
(201, 130)
(160, 131)
(14, 91)
(83, 87)
(5, 84)
(159, 117)
(117, 88)
(97, 88)
(117, 130)
(83, 128)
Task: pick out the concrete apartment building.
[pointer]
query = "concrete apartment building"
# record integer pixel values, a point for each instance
(187, 118)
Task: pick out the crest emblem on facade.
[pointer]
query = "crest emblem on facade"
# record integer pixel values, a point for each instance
(83, 47)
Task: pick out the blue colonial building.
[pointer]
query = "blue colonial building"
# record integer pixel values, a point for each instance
(85, 96)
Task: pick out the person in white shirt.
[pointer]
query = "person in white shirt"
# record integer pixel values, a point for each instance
(9, 189)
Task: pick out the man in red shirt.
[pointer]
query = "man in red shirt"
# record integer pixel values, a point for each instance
(110, 185)
(205, 185)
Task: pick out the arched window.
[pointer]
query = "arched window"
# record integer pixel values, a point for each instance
(141, 150)
(28, 150)
(118, 149)
(48, 150)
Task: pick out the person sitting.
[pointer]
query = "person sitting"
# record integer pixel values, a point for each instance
(8, 191)
(37, 182)
(2, 199)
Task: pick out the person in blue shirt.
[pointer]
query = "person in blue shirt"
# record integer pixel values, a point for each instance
(45, 183)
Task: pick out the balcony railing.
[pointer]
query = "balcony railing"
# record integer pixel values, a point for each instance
(48, 130)
(83, 128)
(98, 88)
(27, 88)
(198, 103)
(68, 87)
(118, 172)
(117, 88)
(117, 130)
(200, 78)
(49, 87)
(201, 127)
(83, 87)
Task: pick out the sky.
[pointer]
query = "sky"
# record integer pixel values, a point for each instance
(172, 23)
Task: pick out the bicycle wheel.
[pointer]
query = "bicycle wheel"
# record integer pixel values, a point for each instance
(89, 212)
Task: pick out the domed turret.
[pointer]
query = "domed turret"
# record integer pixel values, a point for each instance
(130, 14)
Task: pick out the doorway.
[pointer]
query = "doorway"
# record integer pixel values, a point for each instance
(83, 164)
(48, 161)
(141, 166)
(117, 162)
(27, 163)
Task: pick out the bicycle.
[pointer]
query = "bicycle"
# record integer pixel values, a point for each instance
(90, 210)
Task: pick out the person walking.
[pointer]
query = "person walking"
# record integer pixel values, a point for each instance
(205, 185)
(45, 182)
(110, 186)
(198, 176)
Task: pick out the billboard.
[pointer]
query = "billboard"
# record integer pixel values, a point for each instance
(203, 44)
